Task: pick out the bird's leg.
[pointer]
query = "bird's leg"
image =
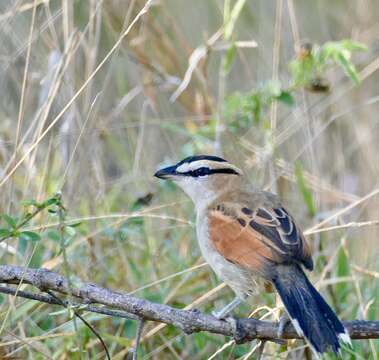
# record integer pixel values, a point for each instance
(284, 320)
(221, 314)
(239, 334)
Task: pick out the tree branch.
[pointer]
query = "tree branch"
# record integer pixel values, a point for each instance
(131, 307)
(50, 300)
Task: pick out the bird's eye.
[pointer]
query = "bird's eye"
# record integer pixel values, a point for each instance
(201, 172)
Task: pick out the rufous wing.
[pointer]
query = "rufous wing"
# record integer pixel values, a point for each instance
(257, 238)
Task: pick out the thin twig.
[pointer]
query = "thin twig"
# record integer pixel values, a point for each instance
(351, 206)
(352, 224)
(260, 350)
(134, 350)
(365, 271)
(94, 331)
(196, 56)
(143, 11)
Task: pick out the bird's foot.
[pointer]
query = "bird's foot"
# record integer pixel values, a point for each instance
(222, 314)
(219, 314)
(240, 334)
(284, 320)
(244, 332)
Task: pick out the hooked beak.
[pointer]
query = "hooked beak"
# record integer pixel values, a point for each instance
(166, 173)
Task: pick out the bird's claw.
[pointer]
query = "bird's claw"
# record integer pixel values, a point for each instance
(218, 314)
(240, 334)
(284, 320)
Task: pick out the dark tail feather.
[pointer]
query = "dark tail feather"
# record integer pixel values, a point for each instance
(308, 310)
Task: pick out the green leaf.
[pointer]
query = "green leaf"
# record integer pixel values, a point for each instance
(347, 66)
(123, 233)
(229, 58)
(352, 45)
(30, 235)
(29, 202)
(273, 88)
(136, 221)
(303, 70)
(226, 11)
(76, 224)
(22, 245)
(342, 270)
(130, 329)
(340, 53)
(70, 230)
(307, 194)
(54, 235)
(26, 217)
(12, 222)
(5, 232)
(327, 51)
(51, 201)
(286, 98)
(58, 312)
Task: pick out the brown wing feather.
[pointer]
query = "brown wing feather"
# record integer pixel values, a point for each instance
(238, 243)
(256, 238)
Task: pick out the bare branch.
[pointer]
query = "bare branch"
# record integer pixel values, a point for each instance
(187, 320)
(83, 306)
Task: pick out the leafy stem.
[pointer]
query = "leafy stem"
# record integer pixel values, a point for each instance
(15, 225)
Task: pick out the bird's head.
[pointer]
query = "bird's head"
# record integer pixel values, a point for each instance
(202, 177)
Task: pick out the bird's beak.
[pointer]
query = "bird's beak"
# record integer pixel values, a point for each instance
(166, 173)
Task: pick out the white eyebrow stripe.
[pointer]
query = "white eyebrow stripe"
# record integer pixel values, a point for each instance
(206, 163)
(184, 168)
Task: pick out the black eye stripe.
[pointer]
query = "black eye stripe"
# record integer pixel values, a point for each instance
(204, 171)
(224, 171)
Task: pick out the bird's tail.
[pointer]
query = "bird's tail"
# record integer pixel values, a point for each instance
(311, 316)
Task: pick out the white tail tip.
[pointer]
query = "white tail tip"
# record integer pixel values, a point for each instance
(345, 337)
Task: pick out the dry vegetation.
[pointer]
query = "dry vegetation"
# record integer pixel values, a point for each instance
(91, 106)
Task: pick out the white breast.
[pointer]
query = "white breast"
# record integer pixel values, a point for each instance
(242, 281)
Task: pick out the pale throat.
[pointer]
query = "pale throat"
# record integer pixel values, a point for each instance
(204, 191)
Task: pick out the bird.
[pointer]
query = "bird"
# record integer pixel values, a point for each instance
(252, 242)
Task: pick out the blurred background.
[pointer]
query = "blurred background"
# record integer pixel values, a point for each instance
(286, 90)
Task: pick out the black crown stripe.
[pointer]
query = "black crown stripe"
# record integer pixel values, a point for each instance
(190, 159)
